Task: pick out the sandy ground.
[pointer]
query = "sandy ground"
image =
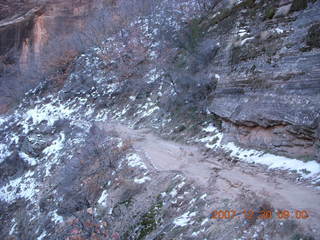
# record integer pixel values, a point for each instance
(222, 178)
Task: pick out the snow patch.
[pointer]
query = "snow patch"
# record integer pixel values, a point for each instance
(43, 235)
(142, 180)
(211, 142)
(242, 32)
(306, 169)
(55, 217)
(194, 234)
(52, 153)
(56, 145)
(22, 187)
(13, 228)
(3, 120)
(29, 160)
(134, 160)
(203, 197)
(111, 88)
(103, 198)
(4, 152)
(310, 169)
(210, 129)
(204, 221)
(152, 76)
(184, 219)
(48, 112)
(173, 193)
(246, 40)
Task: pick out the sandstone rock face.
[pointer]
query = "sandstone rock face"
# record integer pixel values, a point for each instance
(14, 31)
(48, 20)
(25, 36)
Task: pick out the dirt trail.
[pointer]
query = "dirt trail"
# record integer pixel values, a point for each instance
(209, 173)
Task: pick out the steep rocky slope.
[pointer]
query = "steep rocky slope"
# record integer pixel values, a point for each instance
(242, 75)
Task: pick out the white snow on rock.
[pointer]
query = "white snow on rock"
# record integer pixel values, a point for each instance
(152, 75)
(141, 180)
(242, 32)
(204, 221)
(210, 129)
(13, 229)
(173, 193)
(51, 152)
(3, 119)
(4, 152)
(120, 143)
(194, 234)
(103, 198)
(111, 88)
(55, 217)
(203, 197)
(246, 40)
(29, 160)
(134, 160)
(146, 110)
(42, 236)
(48, 112)
(150, 111)
(153, 55)
(22, 187)
(279, 30)
(308, 169)
(56, 145)
(212, 141)
(184, 219)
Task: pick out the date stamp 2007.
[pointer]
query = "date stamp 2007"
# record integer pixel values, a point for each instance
(262, 214)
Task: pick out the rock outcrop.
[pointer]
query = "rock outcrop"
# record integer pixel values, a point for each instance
(268, 88)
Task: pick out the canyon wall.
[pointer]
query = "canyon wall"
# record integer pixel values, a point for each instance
(25, 35)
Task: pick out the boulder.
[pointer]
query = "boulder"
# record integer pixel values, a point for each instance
(283, 11)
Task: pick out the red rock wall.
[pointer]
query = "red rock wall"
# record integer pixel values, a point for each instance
(24, 37)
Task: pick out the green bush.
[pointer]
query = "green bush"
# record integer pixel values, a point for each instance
(270, 13)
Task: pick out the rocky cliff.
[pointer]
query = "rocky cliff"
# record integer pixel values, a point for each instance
(268, 89)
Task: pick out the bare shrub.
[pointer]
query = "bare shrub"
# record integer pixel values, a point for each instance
(113, 19)
(208, 5)
(126, 145)
(84, 225)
